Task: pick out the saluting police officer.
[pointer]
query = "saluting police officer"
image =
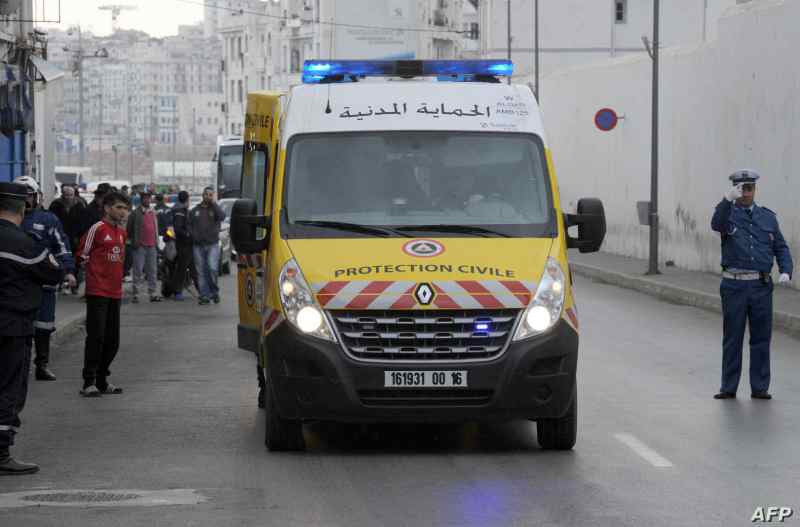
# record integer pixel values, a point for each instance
(751, 242)
(24, 268)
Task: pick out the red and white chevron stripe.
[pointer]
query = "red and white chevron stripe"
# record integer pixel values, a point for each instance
(450, 294)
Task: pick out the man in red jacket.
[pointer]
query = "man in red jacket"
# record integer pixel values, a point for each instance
(102, 253)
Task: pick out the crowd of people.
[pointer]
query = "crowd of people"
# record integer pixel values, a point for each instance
(116, 233)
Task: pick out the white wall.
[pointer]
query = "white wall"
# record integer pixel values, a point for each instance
(730, 104)
(576, 32)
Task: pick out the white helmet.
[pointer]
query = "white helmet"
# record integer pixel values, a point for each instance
(33, 186)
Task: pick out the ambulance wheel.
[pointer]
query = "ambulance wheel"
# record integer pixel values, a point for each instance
(281, 435)
(560, 433)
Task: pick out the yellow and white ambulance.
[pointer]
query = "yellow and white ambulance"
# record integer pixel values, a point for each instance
(403, 251)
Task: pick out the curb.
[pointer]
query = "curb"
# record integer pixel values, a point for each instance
(787, 322)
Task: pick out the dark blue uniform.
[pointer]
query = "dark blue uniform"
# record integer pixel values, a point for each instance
(24, 268)
(751, 242)
(46, 229)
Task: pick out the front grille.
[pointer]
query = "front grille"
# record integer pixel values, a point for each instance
(432, 397)
(425, 335)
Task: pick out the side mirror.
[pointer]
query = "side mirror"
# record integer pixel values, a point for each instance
(245, 227)
(591, 222)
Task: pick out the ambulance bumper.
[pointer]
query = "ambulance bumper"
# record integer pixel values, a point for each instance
(315, 380)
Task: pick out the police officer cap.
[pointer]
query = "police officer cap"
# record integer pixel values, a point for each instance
(13, 191)
(744, 176)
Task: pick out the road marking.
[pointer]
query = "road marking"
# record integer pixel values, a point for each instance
(100, 498)
(644, 451)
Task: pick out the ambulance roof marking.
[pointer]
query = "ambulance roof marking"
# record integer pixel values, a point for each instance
(412, 105)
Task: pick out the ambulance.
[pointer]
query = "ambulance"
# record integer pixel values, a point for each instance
(402, 251)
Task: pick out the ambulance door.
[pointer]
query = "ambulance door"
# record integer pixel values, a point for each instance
(256, 184)
(255, 172)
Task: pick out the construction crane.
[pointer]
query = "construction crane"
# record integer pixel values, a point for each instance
(116, 9)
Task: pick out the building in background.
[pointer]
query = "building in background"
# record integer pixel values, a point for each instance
(30, 91)
(131, 96)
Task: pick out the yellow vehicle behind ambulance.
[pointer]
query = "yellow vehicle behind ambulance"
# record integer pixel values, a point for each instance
(403, 251)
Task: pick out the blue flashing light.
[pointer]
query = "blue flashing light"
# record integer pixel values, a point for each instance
(481, 327)
(316, 71)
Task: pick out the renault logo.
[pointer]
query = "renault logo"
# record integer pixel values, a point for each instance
(424, 294)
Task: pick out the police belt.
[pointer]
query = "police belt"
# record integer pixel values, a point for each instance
(741, 276)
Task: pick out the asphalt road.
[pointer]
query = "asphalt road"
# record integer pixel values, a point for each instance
(654, 448)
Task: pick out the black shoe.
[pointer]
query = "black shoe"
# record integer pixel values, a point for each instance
(725, 395)
(262, 397)
(761, 395)
(44, 374)
(203, 301)
(215, 298)
(11, 467)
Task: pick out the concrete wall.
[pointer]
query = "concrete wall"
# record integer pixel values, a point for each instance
(729, 104)
(576, 32)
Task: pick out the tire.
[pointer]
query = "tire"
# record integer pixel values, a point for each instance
(560, 433)
(281, 435)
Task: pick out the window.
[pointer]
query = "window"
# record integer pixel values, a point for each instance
(240, 91)
(496, 181)
(254, 175)
(620, 11)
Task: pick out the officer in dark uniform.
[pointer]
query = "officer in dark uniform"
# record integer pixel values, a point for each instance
(751, 243)
(45, 228)
(24, 268)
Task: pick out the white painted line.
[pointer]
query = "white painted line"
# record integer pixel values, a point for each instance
(644, 451)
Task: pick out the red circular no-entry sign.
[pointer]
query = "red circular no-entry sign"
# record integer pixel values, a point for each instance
(606, 119)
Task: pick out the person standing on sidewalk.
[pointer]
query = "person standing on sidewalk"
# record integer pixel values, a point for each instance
(751, 243)
(102, 253)
(143, 240)
(24, 269)
(183, 244)
(45, 228)
(204, 224)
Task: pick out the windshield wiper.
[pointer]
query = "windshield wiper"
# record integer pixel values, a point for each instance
(353, 227)
(459, 229)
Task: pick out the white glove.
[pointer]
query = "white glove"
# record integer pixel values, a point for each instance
(784, 278)
(734, 193)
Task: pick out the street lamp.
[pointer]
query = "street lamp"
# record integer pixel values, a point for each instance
(80, 56)
(652, 49)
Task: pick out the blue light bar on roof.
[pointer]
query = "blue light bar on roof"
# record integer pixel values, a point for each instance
(317, 71)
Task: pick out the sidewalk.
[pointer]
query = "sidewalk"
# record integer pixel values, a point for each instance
(679, 286)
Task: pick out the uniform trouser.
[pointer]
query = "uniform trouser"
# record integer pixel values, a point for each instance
(15, 363)
(206, 259)
(743, 301)
(183, 259)
(145, 262)
(44, 326)
(102, 339)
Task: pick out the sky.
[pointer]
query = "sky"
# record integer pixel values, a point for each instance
(157, 17)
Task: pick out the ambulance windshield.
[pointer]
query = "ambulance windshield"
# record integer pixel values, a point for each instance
(496, 183)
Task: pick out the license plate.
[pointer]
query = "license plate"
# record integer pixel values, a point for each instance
(425, 379)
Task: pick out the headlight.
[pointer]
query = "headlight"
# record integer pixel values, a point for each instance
(545, 310)
(299, 306)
